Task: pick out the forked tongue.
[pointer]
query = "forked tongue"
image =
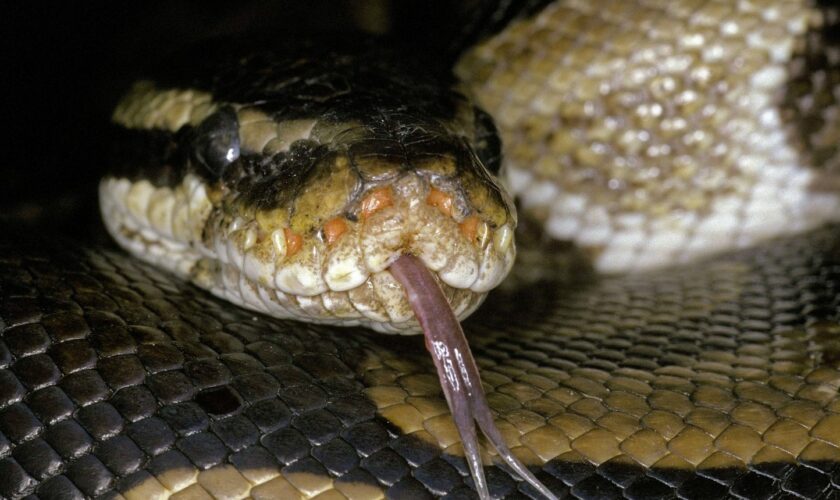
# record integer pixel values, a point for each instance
(457, 370)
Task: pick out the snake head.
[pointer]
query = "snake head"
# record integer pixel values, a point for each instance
(300, 213)
(313, 227)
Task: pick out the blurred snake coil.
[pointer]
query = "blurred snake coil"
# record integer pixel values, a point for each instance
(669, 329)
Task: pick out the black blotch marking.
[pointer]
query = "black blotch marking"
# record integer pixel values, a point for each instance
(159, 156)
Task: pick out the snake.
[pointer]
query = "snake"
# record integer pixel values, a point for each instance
(323, 185)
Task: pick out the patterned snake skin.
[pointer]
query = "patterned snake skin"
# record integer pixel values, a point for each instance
(714, 381)
(717, 379)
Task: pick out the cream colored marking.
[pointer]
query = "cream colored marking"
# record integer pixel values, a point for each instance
(307, 483)
(259, 132)
(345, 265)
(278, 238)
(147, 107)
(276, 488)
(224, 481)
(392, 296)
(503, 239)
(360, 490)
(140, 217)
(301, 275)
(193, 492)
(149, 489)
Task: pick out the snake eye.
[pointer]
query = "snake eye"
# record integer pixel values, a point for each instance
(488, 144)
(216, 141)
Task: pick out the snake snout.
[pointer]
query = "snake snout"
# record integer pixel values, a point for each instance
(433, 218)
(338, 270)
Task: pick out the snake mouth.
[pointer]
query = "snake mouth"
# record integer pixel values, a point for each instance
(339, 273)
(336, 274)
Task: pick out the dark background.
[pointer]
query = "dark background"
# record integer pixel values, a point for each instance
(64, 65)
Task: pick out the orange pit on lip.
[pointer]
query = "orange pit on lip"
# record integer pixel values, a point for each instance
(375, 200)
(440, 200)
(333, 229)
(469, 227)
(294, 241)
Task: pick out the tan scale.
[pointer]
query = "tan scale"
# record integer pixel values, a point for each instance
(652, 133)
(259, 132)
(147, 107)
(227, 481)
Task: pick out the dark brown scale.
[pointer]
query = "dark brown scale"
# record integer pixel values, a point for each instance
(339, 80)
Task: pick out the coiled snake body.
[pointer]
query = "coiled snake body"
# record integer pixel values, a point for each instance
(288, 180)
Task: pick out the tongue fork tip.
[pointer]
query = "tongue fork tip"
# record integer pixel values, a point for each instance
(457, 371)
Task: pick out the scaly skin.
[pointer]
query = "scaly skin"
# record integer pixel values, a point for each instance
(656, 133)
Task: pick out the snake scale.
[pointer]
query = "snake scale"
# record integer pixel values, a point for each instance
(698, 381)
